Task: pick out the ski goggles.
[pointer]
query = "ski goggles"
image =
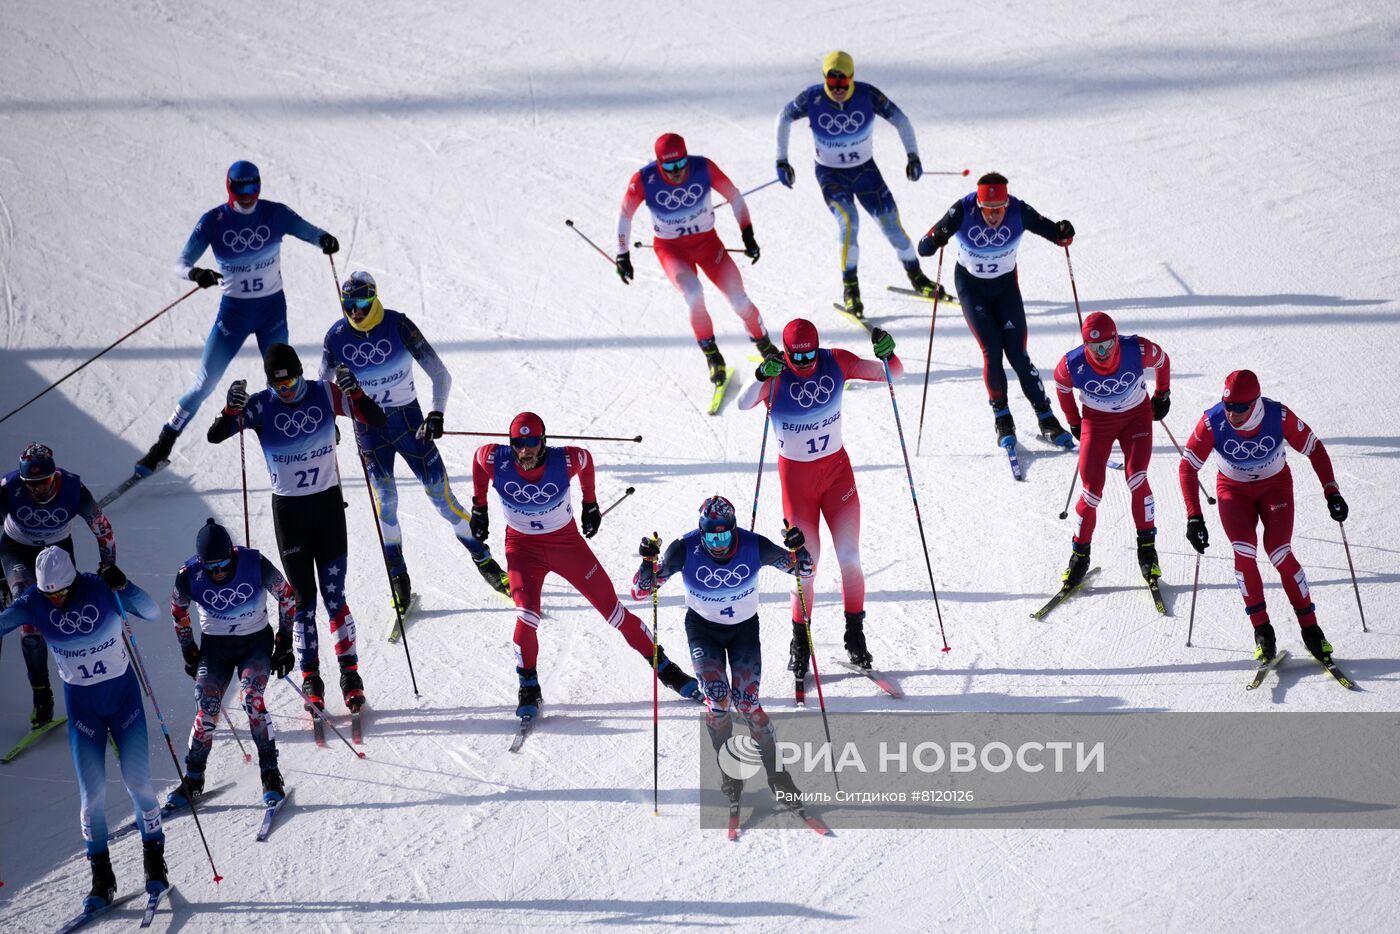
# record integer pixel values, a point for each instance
(242, 187)
(675, 165)
(837, 81)
(358, 304)
(803, 358)
(717, 541)
(1102, 349)
(56, 597)
(284, 387)
(1239, 408)
(526, 443)
(218, 565)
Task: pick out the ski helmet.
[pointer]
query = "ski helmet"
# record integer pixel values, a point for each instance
(991, 191)
(1241, 388)
(242, 180)
(281, 362)
(213, 544)
(527, 433)
(37, 470)
(838, 72)
(671, 153)
(1100, 337)
(801, 341)
(360, 293)
(54, 571)
(717, 525)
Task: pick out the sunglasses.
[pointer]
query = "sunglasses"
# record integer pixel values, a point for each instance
(245, 188)
(837, 81)
(717, 540)
(805, 357)
(525, 442)
(1239, 408)
(218, 565)
(674, 166)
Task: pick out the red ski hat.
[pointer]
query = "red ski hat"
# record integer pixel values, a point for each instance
(1099, 327)
(670, 147)
(1241, 386)
(800, 337)
(527, 426)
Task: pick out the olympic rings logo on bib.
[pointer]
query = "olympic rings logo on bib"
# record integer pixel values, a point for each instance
(840, 124)
(813, 391)
(531, 493)
(722, 577)
(680, 198)
(249, 238)
(297, 423)
(71, 622)
(1113, 386)
(368, 354)
(41, 518)
(988, 236)
(220, 600)
(1248, 450)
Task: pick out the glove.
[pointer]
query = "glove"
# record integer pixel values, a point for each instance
(113, 577)
(1075, 429)
(329, 245)
(347, 382)
(191, 653)
(915, 169)
(282, 654)
(750, 244)
(1197, 535)
(431, 429)
(1161, 404)
(237, 398)
(771, 366)
(204, 278)
(933, 241)
(1337, 506)
(592, 518)
(883, 343)
(793, 538)
(624, 268)
(480, 523)
(1065, 232)
(785, 173)
(650, 549)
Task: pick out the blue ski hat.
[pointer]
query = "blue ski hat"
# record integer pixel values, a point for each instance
(213, 543)
(243, 179)
(717, 524)
(36, 462)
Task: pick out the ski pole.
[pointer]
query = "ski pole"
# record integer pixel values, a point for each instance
(384, 553)
(655, 688)
(1075, 289)
(1210, 499)
(129, 638)
(243, 466)
(918, 518)
(320, 714)
(964, 173)
(628, 492)
(114, 343)
(335, 278)
(811, 650)
(763, 450)
(506, 434)
(745, 194)
(247, 756)
(1195, 582)
(1352, 568)
(637, 244)
(1070, 495)
(928, 360)
(570, 224)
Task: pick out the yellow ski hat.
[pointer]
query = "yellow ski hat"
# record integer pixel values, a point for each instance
(839, 61)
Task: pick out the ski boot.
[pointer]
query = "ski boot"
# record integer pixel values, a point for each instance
(352, 688)
(153, 857)
(673, 677)
(530, 698)
(314, 689)
(493, 575)
(1051, 429)
(402, 590)
(191, 788)
(732, 788)
(764, 346)
(273, 789)
(1005, 428)
(1316, 642)
(160, 451)
(1078, 565)
(922, 283)
(850, 295)
(43, 706)
(715, 360)
(104, 882)
(855, 640)
(1147, 554)
(799, 653)
(784, 790)
(1265, 644)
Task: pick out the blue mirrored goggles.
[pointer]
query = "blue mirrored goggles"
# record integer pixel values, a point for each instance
(525, 442)
(362, 304)
(218, 565)
(717, 541)
(244, 187)
(803, 358)
(1239, 408)
(674, 167)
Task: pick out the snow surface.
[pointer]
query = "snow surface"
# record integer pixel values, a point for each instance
(1230, 169)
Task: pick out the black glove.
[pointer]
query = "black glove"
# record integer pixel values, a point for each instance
(882, 343)
(431, 429)
(915, 169)
(933, 241)
(113, 577)
(205, 278)
(1197, 535)
(282, 661)
(329, 244)
(480, 523)
(750, 244)
(191, 653)
(785, 173)
(1337, 506)
(237, 398)
(1065, 233)
(771, 366)
(624, 268)
(346, 381)
(1161, 404)
(592, 518)
(793, 538)
(650, 549)
(1075, 429)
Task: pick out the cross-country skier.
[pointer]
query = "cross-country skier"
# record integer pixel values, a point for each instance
(230, 585)
(82, 621)
(842, 112)
(246, 237)
(719, 565)
(38, 504)
(533, 481)
(294, 419)
(1248, 432)
(803, 390)
(676, 189)
(1109, 372)
(988, 224)
(379, 346)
